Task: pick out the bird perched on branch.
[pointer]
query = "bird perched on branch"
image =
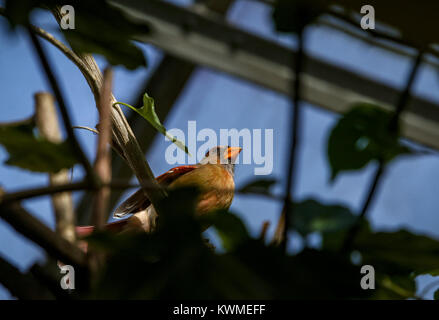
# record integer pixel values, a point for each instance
(213, 176)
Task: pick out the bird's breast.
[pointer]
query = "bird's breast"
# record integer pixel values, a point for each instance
(215, 183)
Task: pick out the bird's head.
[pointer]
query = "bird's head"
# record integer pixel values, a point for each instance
(224, 155)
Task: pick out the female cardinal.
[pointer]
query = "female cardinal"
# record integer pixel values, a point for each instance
(213, 176)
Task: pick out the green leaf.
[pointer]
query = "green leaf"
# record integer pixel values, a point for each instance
(230, 228)
(35, 153)
(436, 295)
(147, 111)
(259, 186)
(360, 136)
(312, 216)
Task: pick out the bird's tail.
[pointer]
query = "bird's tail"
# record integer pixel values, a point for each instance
(83, 231)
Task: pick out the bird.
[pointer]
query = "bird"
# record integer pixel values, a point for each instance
(213, 176)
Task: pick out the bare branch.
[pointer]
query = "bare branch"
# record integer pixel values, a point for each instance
(264, 229)
(29, 226)
(278, 236)
(103, 159)
(64, 49)
(62, 106)
(122, 135)
(22, 286)
(9, 198)
(47, 124)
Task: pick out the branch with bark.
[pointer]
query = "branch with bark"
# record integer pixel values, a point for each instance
(47, 124)
(122, 135)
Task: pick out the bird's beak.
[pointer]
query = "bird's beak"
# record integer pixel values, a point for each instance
(232, 152)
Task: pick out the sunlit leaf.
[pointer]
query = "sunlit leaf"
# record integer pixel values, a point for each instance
(147, 111)
(33, 153)
(361, 136)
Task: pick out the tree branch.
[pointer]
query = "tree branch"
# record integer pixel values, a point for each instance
(122, 134)
(103, 159)
(29, 226)
(22, 286)
(9, 198)
(47, 124)
(62, 106)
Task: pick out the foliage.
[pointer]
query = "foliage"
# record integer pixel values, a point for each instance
(175, 263)
(99, 28)
(31, 152)
(311, 216)
(147, 111)
(258, 186)
(360, 136)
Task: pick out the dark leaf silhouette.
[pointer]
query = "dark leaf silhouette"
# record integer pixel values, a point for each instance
(259, 186)
(99, 28)
(312, 216)
(361, 136)
(30, 152)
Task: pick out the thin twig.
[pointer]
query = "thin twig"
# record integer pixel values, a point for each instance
(47, 124)
(103, 159)
(264, 229)
(393, 130)
(62, 106)
(48, 190)
(17, 196)
(288, 206)
(63, 48)
(86, 128)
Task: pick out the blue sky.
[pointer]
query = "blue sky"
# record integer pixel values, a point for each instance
(408, 194)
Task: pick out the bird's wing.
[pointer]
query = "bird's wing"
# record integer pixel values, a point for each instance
(138, 201)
